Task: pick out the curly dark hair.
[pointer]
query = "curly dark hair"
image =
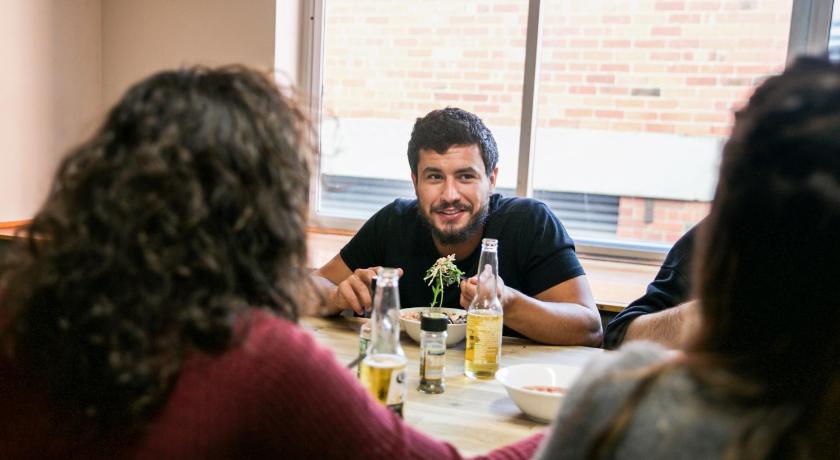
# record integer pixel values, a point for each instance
(441, 129)
(185, 209)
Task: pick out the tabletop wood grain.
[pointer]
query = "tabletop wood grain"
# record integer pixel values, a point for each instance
(475, 416)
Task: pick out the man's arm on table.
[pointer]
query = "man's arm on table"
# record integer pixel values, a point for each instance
(341, 288)
(668, 327)
(564, 314)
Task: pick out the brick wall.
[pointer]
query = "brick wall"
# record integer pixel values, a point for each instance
(674, 67)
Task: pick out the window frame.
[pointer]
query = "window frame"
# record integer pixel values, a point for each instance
(809, 33)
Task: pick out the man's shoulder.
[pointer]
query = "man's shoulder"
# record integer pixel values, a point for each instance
(402, 207)
(398, 212)
(516, 206)
(504, 205)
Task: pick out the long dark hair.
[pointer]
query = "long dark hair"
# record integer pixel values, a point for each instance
(769, 264)
(767, 273)
(186, 208)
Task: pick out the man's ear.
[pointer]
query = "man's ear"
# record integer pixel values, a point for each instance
(414, 181)
(492, 178)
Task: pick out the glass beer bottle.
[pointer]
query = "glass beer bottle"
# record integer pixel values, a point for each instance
(484, 318)
(383, 369)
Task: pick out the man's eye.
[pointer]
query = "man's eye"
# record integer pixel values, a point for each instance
(434, 177)
(467, 176)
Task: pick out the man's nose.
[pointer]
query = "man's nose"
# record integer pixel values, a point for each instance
(450, 191)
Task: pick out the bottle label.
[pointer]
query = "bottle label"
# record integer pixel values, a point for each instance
(484, 338)
(363, 344)
(433, 365)
(397, 388)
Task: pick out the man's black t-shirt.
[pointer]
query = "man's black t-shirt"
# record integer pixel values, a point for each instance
(671, 287)
(535, 252)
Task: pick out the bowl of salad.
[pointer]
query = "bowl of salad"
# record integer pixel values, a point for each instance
(456, 330)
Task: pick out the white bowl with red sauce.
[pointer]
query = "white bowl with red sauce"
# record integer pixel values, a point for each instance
(538, 389)
(455, 332)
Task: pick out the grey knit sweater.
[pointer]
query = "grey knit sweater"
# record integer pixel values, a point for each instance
(676, 419)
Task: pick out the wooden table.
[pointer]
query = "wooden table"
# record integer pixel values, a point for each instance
(475, 416)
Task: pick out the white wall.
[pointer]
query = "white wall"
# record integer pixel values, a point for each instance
(66, 61)
(50, 93)
(141, 37)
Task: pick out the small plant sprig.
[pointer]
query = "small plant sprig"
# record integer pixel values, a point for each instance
(441, 274)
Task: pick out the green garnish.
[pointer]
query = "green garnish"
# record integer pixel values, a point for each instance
(441, 274)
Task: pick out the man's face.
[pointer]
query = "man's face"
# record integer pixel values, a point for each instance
(453, 191)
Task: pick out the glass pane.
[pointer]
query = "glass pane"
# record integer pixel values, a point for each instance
(635, 100)
(834, 34)
(388, 63)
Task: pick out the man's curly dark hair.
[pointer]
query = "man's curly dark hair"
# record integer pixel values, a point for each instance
(441, 129)
(184, 210)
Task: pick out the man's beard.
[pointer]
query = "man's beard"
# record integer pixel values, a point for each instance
(447, 238)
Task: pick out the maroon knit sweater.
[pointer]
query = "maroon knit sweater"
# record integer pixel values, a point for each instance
(278, 394)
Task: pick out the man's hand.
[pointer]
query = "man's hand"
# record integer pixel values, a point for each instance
(469, 287)
(354, 291)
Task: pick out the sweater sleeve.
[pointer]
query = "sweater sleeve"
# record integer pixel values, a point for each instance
(595, 398)
(310, 406)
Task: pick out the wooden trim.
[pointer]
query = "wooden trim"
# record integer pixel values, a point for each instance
(13, 223)
(330, 231)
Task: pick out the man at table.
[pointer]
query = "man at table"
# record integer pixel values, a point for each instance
(665, 312)
(453, 157)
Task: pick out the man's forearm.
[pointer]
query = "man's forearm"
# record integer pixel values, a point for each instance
(666, 327)
(555, 323)
(323, 301)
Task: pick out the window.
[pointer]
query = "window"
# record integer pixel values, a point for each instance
(834, 34)
(635, 106)
(387, 63)
(630, 113)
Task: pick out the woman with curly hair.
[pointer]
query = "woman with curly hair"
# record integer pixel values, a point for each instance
(150, 308)
(761, 377)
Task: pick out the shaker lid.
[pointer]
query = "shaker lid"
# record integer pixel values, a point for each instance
(436, 323)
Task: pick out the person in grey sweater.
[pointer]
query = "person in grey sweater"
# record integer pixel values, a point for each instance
(760, 377)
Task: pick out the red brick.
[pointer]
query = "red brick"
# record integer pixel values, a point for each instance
(582, 89)
(664, 56)
(481, 109)
(700, 81)
(600, 79)
(447, 96)
(666, 31)
(609, 114)
(659, 128)
(491, 87)
(684, 18)
(578, 112)
(474, 97)
(613, 90)
(506, 8)
(650, 44)
(646, 116)
(614, 67)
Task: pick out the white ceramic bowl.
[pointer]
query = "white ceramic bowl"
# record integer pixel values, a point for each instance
(537, 405)
(454, 332)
